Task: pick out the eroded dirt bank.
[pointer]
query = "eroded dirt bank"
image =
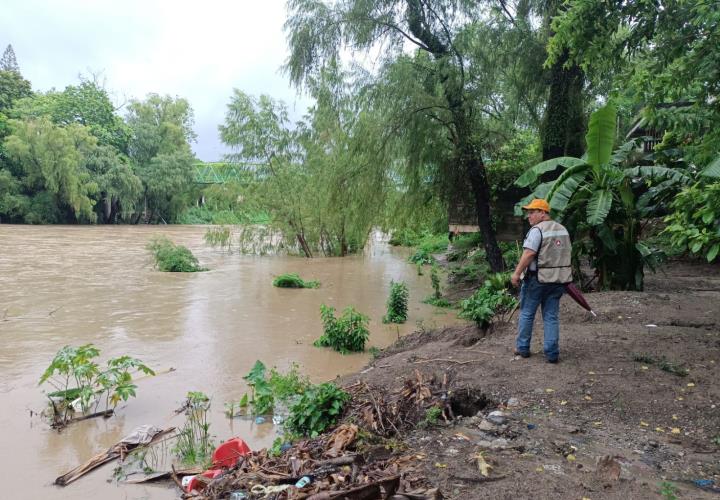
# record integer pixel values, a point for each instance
(633, 405)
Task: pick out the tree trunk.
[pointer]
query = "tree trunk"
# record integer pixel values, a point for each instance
(563, 128)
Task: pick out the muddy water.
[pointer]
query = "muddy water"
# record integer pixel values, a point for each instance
(74, 285)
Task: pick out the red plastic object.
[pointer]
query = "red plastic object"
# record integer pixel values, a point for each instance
(194, 484)
(227, 454)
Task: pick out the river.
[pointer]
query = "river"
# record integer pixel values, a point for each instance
(73, 285)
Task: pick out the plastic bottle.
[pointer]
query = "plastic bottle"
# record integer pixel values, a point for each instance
(303, 481)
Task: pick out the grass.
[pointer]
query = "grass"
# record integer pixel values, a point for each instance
(293, 280)
(663, 363)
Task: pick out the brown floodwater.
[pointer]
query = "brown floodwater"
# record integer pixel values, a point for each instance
(63, 285)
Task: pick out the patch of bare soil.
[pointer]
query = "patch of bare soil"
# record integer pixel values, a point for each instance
(631, 411)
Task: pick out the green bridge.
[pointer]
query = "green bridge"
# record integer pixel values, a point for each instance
(221, 172)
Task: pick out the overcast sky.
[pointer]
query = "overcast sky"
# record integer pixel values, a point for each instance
(200, 51)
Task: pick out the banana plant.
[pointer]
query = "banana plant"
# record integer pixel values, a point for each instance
(602, 198)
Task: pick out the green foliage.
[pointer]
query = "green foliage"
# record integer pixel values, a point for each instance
(348, 333)
(194, 445)
(663, 363)
(292, 280)
(435, 281)
(668, 490)
(318, 408)
(219, 237)
(488, 301)
(270, 388)
(170, 257)
(602, 199)
(694, 224)
(397, 303)
(13, 87)
(432, 415)
(77, 366)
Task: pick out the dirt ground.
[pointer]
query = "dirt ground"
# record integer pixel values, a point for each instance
(631, 411)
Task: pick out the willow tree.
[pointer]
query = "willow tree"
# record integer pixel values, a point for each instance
(445, 30)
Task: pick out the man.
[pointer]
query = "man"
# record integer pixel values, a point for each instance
(545, 262)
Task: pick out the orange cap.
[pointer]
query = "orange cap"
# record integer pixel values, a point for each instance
(538, 204)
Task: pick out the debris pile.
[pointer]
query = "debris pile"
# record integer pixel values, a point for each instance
(324, 468)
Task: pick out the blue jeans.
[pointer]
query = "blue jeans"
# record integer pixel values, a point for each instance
(547, 295)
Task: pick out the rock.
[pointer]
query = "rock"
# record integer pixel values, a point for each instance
(499, 444)
(608, 469)
(513, 403)
(497, 417)
(484, 444)
(486, 425)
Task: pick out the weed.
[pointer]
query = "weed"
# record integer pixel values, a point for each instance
(194, 445)
(348, 333)
(663, 363)
(219, 237)
(486, 302)
(435, 281)
(432, 415)
(170, 257)
(716, 440)
(267, 389)
(374, 352)
(76, 365)
(317, 409)
(441, 302)
(292, 280)
(397, 303)
(668, 490)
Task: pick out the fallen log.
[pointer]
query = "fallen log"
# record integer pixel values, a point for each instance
(118, 450)
(61, 424)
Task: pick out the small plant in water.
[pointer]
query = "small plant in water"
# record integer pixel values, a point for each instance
(397, 303)
(219, 237)
(292, 280)
(81, 384)
(348, 333)
(174, 258)
(436, 299)
(194, 445)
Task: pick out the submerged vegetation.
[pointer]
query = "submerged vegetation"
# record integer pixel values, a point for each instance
(194, 445)
(348, 333)
(170, 257)
(292, 280)
(397, 303)
(81, 384)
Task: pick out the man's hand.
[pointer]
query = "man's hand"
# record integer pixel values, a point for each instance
(515, 279)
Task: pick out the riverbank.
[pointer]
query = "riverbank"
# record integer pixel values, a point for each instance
(631, 411)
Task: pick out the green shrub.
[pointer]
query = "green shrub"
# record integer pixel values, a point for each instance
(441, 302)
(318, 408)
(694, 225)
(348, 333)
(428, 245)
(397, 303)
(432, 415)
(269, 388)
(170, 257)
(292, 280)
(435, 281)
(486, 302)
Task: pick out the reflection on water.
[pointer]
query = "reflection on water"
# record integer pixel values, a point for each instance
(78, 284)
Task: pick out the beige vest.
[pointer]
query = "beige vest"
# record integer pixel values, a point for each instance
(554, 257)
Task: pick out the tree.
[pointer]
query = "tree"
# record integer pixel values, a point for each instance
(13, 87)
(87, 104)
(53, 162)
(603, 198)
(159, 148)
(665, 51)
(8, 62)
(447, 32)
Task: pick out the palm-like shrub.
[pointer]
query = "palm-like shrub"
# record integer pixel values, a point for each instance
(602, 198)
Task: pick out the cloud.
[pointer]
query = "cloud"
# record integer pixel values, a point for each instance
(200, 51)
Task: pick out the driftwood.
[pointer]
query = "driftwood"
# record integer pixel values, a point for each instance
(157, 476)
(118, 450)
